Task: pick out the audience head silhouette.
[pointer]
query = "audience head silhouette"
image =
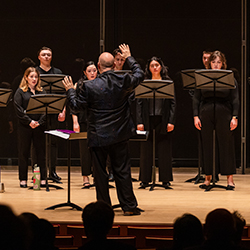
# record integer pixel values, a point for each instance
(187, 231)
(98, 219)
(219, 226)
(239, 223)
(11, 230)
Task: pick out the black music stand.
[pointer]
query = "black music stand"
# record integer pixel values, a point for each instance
(153, 89)
(46, 104)
(5, 95)
(52, 83)
(214, 79)
(68, 135)
(188, 80)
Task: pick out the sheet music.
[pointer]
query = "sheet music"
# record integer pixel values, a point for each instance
(58, 133)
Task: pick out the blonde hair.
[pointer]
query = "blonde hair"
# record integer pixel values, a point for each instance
(24, 83)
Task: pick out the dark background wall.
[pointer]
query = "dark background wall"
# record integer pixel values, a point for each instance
(175, 30)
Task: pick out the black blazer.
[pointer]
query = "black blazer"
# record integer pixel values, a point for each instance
(106, 101)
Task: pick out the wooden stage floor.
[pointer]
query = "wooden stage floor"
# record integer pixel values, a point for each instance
(161, 206)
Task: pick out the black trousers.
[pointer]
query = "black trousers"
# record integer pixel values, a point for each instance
(26, 135)
(224, 137)
(163, 144)
(52, 124)
(120, 163)
(85, 156)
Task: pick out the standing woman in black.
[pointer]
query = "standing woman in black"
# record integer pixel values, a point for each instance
(30, 126)
(80, 124)
(164, 125)
(226, 120)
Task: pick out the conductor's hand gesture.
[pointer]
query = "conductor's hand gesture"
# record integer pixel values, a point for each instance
(68, 83)
(125, 50)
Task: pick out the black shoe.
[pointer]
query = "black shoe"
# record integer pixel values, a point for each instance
(135, 211)
(229, 187)
(23, 185)
(203, 186)
(166, 184)
(143, 185)
(54, 175)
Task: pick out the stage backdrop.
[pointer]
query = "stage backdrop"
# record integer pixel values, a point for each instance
(175, 30)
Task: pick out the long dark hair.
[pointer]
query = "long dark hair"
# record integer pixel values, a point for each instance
(85, 68)
(164, 69)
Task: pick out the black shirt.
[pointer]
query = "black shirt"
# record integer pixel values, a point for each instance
(227, 96)
(52, 70)
(21, 100)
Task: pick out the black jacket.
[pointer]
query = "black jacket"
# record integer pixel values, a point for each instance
(168, 113)
(106, 100)
(21, 100)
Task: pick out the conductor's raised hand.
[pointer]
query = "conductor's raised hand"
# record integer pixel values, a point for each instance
(68, 83)
(197, 122)
(125, 50)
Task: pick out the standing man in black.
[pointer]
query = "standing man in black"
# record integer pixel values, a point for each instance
(110, 125)
(45, 58)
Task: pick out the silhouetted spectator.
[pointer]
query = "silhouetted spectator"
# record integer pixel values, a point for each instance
(11, 230)
(40, 234)
(188, 232)
(98, 219)
(239, 223)
(219, 231)
(46, 236)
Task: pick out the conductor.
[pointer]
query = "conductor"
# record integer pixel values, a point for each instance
(109, 124)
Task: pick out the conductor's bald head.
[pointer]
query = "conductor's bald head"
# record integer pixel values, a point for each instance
(106, 62)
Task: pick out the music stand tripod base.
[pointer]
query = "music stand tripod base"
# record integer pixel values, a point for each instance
(197, 179)
(66, 204)
(50, 185)
(210, 187)
(54, 180)
(68, 135)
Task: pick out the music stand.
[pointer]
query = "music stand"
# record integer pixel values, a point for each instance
(46, 104)
(188, 80)
(52, 83)
(5, 95)
(214, 79)
(153, 89)
(68, 135)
